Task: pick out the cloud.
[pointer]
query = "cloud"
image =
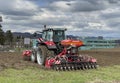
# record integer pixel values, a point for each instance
(114, 1)
(112, 18)
(17, 7)
(88, 5)
(79, 5)
(80, 17)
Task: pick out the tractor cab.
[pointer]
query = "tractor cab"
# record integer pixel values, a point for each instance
(53, 34)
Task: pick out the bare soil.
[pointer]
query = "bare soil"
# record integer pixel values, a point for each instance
(105, 57)
(14, 60)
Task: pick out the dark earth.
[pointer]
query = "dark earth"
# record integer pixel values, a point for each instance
(15, 60)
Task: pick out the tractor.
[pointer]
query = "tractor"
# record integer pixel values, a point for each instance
(54, 51)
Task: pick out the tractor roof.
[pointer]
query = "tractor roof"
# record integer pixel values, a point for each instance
(64, 29)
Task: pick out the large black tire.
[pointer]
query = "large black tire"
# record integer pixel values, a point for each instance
(50, 53)
(41, 54)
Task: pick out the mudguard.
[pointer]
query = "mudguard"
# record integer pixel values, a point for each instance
(26, 53)
(49, 44)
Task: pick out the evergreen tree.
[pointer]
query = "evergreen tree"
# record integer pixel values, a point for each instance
(9, 37)
(2, 37)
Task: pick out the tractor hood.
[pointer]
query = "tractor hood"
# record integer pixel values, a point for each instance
(70, 42)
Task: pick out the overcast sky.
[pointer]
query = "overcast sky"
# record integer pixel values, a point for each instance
(80, 17)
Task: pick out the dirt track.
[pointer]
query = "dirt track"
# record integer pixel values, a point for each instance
(14, 60)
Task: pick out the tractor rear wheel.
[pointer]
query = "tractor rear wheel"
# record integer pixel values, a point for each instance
(50, 53)
(41, 55)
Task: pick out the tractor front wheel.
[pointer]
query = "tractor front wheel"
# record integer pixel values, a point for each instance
(41, 55)
(33, 57)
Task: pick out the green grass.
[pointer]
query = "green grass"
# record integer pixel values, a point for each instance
(36, 75)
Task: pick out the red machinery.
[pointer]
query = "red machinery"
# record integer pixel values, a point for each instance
(69, 58)
(56, 52)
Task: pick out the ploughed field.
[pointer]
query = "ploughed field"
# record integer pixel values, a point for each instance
(14, 60)
(105, 57)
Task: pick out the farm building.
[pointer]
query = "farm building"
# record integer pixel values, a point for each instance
(98, 43)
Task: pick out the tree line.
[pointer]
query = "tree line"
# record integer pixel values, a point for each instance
(6, 38)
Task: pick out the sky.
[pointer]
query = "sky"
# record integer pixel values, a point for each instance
(80, 17)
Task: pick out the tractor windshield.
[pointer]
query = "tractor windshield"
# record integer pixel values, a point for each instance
(47, 35)
(58, 35)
